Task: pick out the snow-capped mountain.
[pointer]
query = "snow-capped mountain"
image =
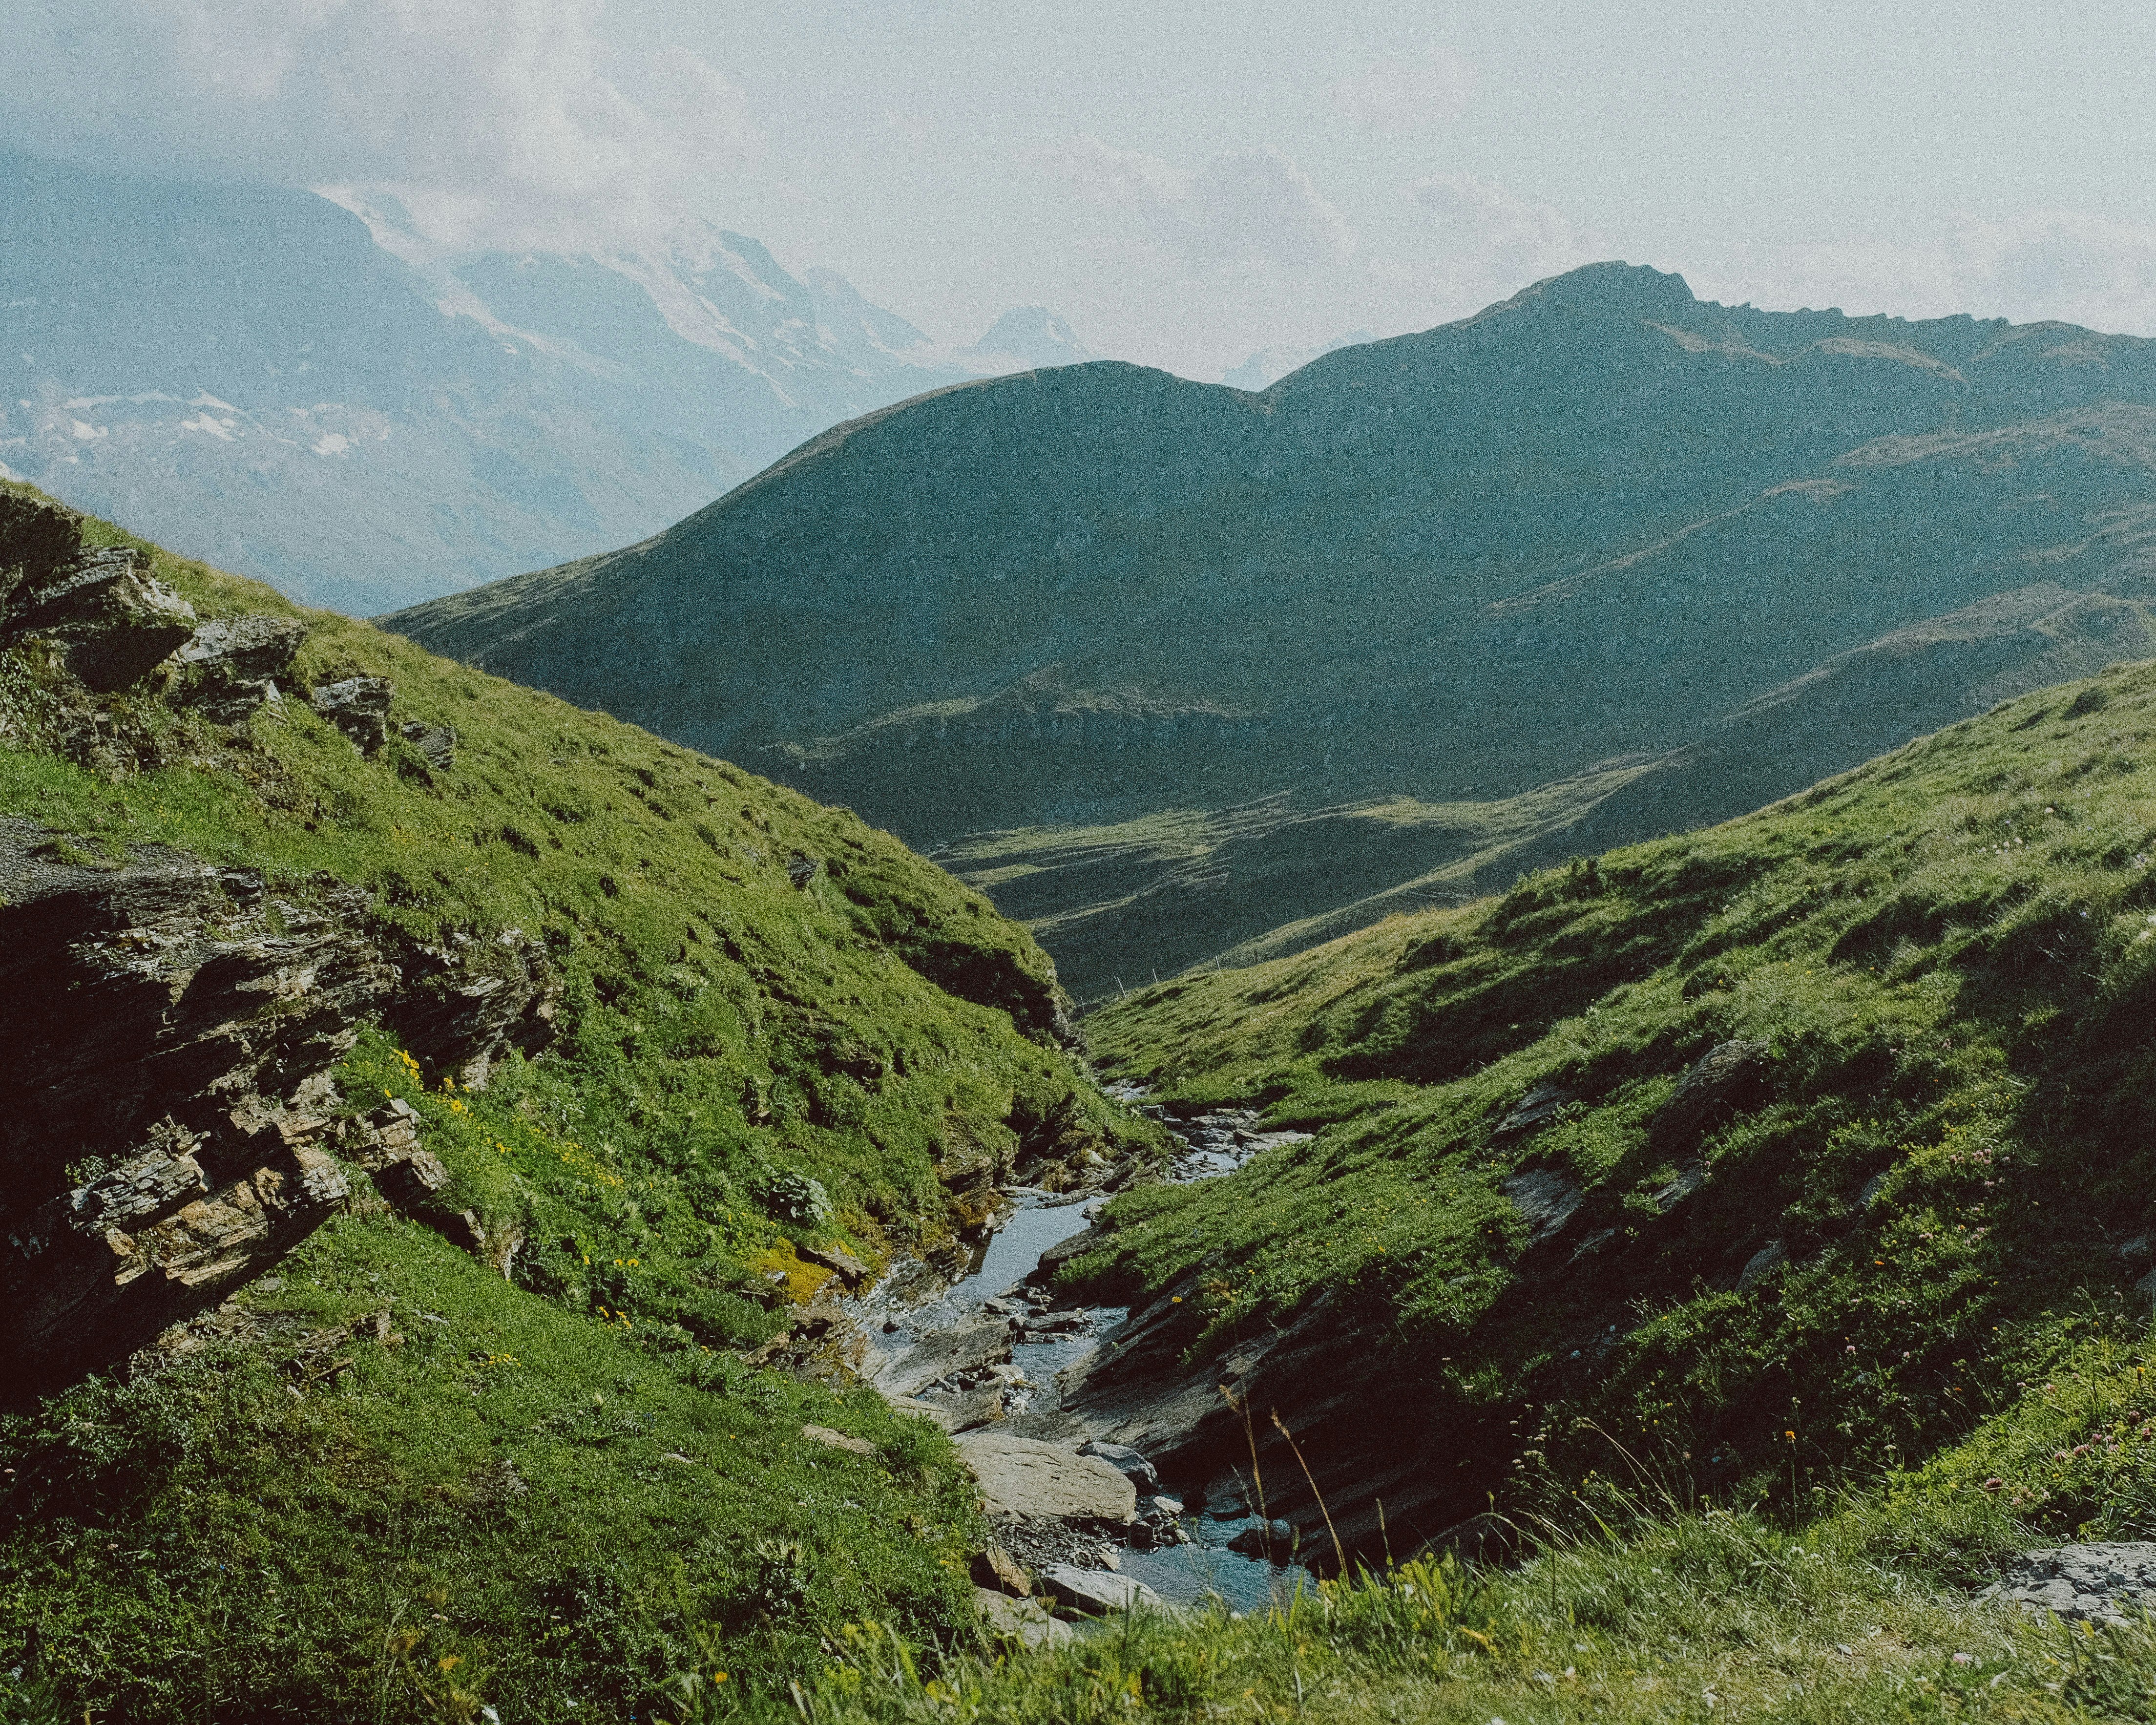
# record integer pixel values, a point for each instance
(1269, 365)
(300, 390)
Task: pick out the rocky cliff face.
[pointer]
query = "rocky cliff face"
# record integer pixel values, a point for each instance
(170, 1128)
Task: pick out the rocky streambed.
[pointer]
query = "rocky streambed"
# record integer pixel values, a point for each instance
(1092, 1522)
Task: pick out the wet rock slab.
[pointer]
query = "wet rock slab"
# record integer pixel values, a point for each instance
(941, 1354)
(1022, 1477)
(1096, 1592)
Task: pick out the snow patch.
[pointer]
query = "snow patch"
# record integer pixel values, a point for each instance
(333, 443)
(203, 422)
(84, 432)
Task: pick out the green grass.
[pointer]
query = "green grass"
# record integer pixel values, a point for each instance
(1655, 1606)
(246, 1533)
(559, 1504)
(1948, 955)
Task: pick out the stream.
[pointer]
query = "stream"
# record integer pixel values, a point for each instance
(1185, 1557)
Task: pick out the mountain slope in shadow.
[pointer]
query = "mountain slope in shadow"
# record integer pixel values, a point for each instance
(1175, 669)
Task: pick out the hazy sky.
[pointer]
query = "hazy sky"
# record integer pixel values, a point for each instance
(1185, 182)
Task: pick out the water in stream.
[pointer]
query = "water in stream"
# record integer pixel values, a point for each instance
(1203, 1567)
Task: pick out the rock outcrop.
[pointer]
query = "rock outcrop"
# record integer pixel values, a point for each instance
(2112, 1582)
(110, 619)
(359, 707)
(233, 664)
(1730, 1077)
(171, 1026)
(169, 1127)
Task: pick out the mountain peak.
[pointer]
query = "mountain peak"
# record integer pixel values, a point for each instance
(1033, 336)
(1612, 286)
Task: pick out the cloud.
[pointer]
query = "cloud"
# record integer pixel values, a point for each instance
(498, 122)
(1490, 243)
(2039, 264)
(1245, 208)
(1397, 95)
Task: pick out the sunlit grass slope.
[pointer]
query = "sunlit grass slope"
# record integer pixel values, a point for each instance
(778, 1030)
(1948, 961)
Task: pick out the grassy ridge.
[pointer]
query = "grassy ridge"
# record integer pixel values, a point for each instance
(1946, 960)
(778, 1030)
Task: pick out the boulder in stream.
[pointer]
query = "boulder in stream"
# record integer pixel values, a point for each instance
(1097, 1592)
(943, 1354)
(1126, 1461)
(1022, 1477)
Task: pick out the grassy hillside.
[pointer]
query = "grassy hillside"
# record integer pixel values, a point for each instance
(1177, 672)
(778, 1031)
(1928, 1184)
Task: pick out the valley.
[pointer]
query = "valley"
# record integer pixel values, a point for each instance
(560, 1217)
(1183, 675)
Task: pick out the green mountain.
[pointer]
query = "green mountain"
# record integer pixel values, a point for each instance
(423, 1093)
(1175, 671)
(1753, 1164)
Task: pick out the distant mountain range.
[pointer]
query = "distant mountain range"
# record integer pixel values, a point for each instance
(1178, 671)
(304, 392)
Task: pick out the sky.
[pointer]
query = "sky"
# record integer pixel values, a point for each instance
(1185, 182)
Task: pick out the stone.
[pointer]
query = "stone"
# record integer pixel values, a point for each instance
(1274, 1540)
(1023, 1477)
(943, 1354)
(37, 535)
(1227, 1496)
(1095, 1593)
(1163, 1507)
(410, 1180)
(111, 618)
(465, 1004)
(2102, 1582)
(1533, 1111)
(1127, 1461)
(359, 707)
(436, 743)
(836, 1258)
(231, 665)
(1760, 1265)
(1047, 1428)
(837, 1439)
(1027, 1620)
(1687, 1180)
(1055, 1323)
(169, 1011)
(1062, 1252)
(962, 1411)
(1544, 1198)
(995, 1567)
(1729, 1078)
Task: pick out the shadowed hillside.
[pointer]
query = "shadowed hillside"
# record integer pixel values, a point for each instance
(1173, 670)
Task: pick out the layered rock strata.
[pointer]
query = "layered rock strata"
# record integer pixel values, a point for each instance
(169, 1126)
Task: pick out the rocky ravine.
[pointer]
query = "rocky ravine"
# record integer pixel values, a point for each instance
(1080, 1520)
(169, 1119)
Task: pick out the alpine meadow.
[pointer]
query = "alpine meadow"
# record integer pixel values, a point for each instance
(1421, 989)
